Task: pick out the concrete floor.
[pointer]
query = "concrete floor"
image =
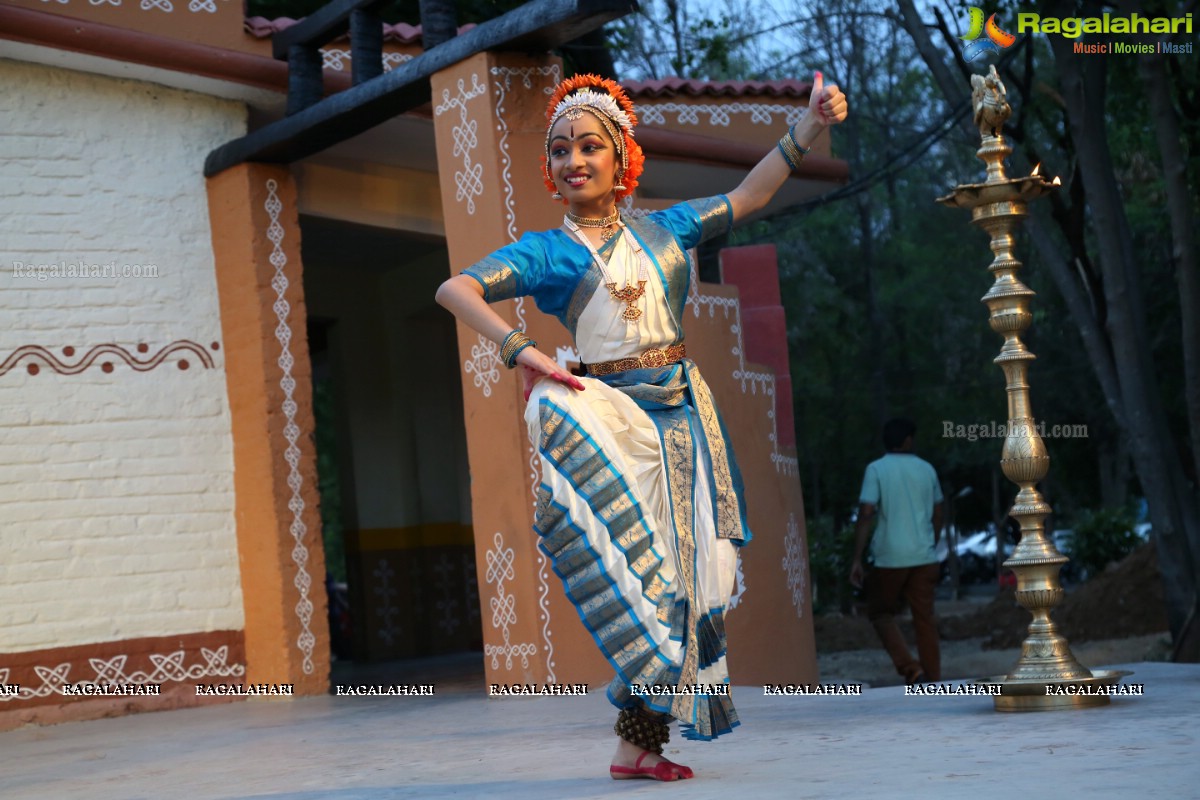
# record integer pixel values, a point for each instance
(459, 744)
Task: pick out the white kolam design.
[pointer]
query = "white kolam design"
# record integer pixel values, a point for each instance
(469, 180)
(484, 365)
(795, 564)
(386, 609)
(504, 608)
(339, 60)
(168, 667)
(502, 82)
(651, 113)
(291, 431)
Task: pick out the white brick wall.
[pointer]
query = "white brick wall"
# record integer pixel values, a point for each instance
(116, 489)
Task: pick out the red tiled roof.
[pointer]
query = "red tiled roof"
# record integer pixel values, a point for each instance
(401, 32)
(674, 87)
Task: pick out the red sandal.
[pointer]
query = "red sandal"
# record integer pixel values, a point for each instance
(662, 771)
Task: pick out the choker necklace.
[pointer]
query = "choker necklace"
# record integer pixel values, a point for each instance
(607, 223)
(630, 294)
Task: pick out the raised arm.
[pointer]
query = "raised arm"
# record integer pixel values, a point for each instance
(826, 107)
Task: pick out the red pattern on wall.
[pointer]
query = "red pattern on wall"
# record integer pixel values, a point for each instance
(32, 353)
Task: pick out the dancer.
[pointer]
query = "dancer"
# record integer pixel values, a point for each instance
(640, 506)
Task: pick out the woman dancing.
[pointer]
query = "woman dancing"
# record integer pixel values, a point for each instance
(640, 506)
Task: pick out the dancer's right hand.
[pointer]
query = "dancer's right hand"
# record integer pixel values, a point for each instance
(536, 365)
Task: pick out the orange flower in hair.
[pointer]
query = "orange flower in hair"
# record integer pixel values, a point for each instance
(608, 102)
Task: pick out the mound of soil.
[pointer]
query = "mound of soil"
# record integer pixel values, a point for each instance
(835, 633)
(1125, 600)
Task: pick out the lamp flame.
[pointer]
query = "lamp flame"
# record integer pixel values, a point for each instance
(1056, 181)
(1036, 169)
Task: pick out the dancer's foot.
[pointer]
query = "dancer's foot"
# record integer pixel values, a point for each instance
(631, 761)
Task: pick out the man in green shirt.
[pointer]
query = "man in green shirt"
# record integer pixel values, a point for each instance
(902, 491)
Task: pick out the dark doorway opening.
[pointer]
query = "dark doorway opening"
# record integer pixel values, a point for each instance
(392, 458)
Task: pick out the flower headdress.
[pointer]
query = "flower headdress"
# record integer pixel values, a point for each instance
(607, 101)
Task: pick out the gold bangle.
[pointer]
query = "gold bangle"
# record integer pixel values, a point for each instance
(513, 344)
(791, 151)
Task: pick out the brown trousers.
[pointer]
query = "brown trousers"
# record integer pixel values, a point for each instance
(885, 587)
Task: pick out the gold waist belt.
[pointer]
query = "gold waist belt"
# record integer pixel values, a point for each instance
(647, 360)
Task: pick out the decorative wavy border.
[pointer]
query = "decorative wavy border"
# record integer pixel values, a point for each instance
(526, 74)
(165, 667)
(652, 113)
(291, 431)
(788, 465)
(37, 351)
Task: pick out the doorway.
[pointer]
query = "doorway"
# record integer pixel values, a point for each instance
(391, 453)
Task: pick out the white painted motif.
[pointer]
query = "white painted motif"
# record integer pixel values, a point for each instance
(469, 180)
(526, 74)
(194, 6)
(484, 365)
(169, 667)
(291, 431)
(565, 356)
(386, 609)
(447, 604)
(795, 564)
(751, 379)
(504, 608)
(721, 115)
(338, 60)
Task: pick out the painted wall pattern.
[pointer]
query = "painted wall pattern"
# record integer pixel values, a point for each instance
(32, 354)
(339, 60)
(164, 668)
(795, 564)
(652, 113)
(469, 180)
(504, 608)
(502, 79)
(291, 431)
(165, 6)
(753, 380)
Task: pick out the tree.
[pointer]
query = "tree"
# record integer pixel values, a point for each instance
(1104, 289)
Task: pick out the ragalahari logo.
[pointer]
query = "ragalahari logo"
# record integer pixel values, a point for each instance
(995, 39)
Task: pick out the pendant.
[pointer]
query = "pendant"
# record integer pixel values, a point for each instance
(629, 295)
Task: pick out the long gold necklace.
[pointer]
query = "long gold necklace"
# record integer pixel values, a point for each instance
(630, 294)
(609, 223)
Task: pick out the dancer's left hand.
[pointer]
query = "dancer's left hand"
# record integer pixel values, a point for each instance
(826, 104)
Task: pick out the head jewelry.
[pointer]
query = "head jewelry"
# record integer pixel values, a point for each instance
(606, 101)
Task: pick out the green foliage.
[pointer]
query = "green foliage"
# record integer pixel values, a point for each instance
(1102, 537)
(328, 485)
(830, 551)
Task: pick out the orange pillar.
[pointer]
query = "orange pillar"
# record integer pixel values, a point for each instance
(256, 245)
(490, 126)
